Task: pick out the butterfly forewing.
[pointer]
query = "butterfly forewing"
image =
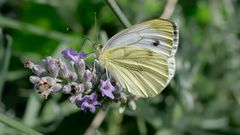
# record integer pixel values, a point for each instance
(158, 35)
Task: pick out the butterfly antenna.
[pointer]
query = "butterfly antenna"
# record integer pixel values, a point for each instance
(96, 31)
(94, 64)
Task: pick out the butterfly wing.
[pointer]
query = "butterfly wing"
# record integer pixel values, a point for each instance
(141, 71)
(158, 35)
(141, 58)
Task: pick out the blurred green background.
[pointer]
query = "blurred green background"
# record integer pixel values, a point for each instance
(202, 99)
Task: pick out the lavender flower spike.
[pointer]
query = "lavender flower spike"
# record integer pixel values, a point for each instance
(107, 88)
(72, 55)
(88, 102)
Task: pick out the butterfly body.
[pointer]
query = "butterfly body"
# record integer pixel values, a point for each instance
(141, 58)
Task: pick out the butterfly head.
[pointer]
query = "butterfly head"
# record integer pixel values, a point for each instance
(98, 48)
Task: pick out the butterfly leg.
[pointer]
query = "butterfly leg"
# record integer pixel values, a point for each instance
(94, 64)
(107, 73)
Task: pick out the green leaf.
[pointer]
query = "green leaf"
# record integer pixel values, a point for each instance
(17, 125)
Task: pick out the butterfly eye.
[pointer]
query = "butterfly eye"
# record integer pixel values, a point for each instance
(99, 46)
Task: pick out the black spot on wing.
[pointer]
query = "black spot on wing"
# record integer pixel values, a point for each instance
(156, 43)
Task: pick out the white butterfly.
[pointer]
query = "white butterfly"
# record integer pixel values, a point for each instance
(141, 58)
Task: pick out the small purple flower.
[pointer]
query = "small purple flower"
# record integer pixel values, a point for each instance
(72, 55)
(43, 87)
(88, 102)
(44, 83)
(107, 88)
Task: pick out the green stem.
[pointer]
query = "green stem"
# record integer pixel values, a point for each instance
(10, 23)
(32, 110)
(169, 9)
(141, 126)
(117, 11)
(7, 43)
(96, 122)
(17, 125)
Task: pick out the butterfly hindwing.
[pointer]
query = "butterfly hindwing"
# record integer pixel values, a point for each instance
(141, 71)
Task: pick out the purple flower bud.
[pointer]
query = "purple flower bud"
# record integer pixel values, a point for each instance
(63, 69)
(51, 65)
(55, 88)
(72, 76)
(80, 68)
(54, 71)
(88, 85)
(38, 70)
(49, 61)
(66, 89)
(88, 102)
(107, 88)
(87, 75)
(72, 55)
(34, 79)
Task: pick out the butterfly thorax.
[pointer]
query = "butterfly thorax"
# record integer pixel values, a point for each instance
(98, 50)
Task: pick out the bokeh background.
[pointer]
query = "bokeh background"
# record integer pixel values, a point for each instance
(202, 99)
